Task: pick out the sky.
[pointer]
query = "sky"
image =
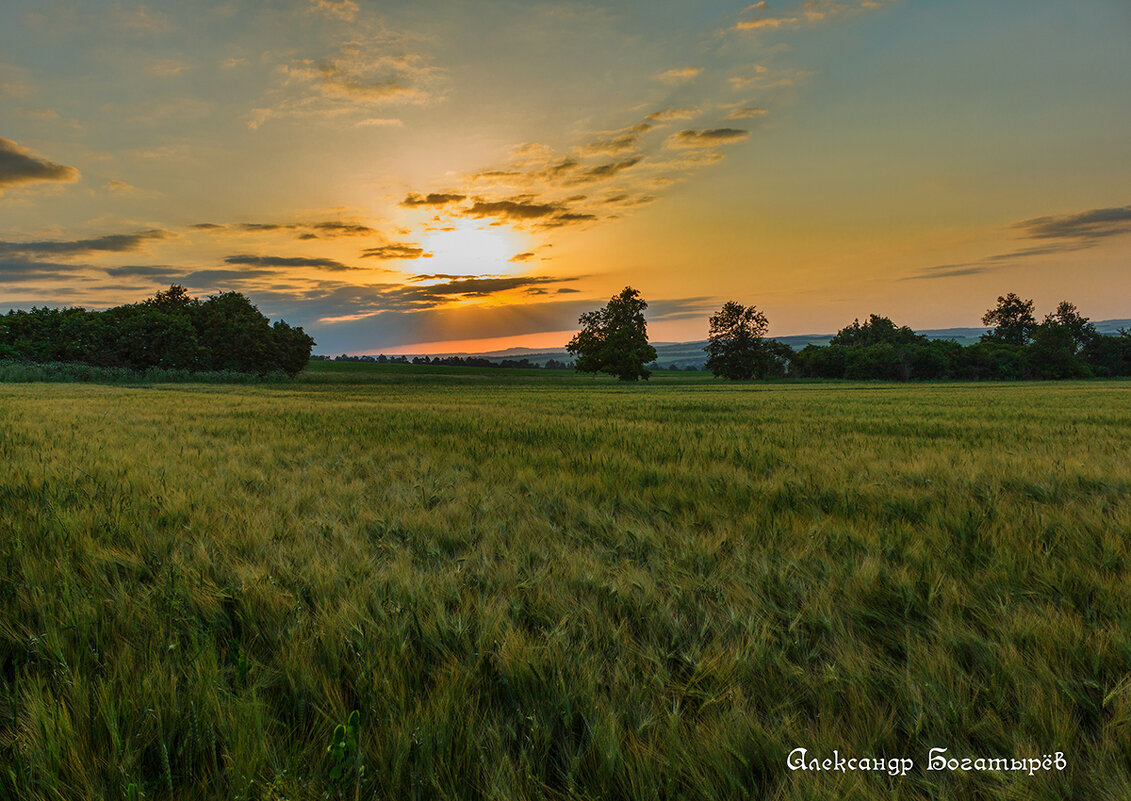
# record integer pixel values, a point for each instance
(469, 176)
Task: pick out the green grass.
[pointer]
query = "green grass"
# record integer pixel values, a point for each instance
(549, 586)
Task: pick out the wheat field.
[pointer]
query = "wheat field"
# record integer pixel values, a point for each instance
(543, 586)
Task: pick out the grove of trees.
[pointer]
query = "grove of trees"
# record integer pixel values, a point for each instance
(1064, 345)
(171, 330)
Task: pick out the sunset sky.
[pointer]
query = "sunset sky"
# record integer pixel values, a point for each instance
(449, 176)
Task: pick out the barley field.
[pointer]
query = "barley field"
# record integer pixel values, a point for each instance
(535, 585)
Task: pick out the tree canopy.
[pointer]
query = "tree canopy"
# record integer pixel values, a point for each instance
(614, 339)
(1012, 320)
(171, 330)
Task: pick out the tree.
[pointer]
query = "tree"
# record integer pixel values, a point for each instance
(735, 347)
(1012, 320)
(1076, 324)
(614, 339)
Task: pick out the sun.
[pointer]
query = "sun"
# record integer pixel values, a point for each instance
(472, 247)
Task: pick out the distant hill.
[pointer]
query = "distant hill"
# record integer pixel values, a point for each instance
(690, 354)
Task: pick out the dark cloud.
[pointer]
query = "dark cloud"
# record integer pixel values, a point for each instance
(527, 210)
(405, 250)
(143, 271)
(110, 243)
(342, 229)
(287, 261)
(527, 256)
(1075, 232)
(602, 172)
(255, 227)
(212, 278)
(707, 137)
(431, 199)
(480, 287)
(570, 218)
(513, 209)
(16, 269)
(1091, 224)
(309, 230)
(18, 165)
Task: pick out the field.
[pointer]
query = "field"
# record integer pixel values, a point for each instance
(534, 585)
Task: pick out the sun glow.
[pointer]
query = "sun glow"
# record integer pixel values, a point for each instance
(472, 247)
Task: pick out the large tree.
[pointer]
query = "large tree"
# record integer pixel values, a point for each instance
(1012, 321)
(614, 339)
(736, 348)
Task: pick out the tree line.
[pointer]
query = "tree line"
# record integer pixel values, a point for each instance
(451, 361)
(1065, 344)
(171, 330)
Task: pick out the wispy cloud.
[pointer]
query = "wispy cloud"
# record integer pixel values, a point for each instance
(1085, 225)
(344, 10)
(707, 137)
(1068, 232)
(680, 74)
(760, 17)
(327, 229)
(396, 251)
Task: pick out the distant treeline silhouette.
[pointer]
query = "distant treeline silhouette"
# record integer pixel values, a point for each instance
(170, 331)
(451, 361)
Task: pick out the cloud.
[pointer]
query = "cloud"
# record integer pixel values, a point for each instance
(303, 230)
(110, 243)
(520, 257)
(119, 187)
(810, 11)
(602, 172)
(480, 287)
(431, 199)
(550, 214)
(213, 278)
(680, 74)
(513, 209)
(746, 113)
(165, 67)
(380, 122)
(18, 165)
(287, 261)
(669, 114)
(706, 137)
(344, 10)
(1084, 225)
(340, 228)
(946, 271)
(16, 269)
(614, 143)
(1069, 232)
(143, 271)
(766, 23)
(405, 250)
